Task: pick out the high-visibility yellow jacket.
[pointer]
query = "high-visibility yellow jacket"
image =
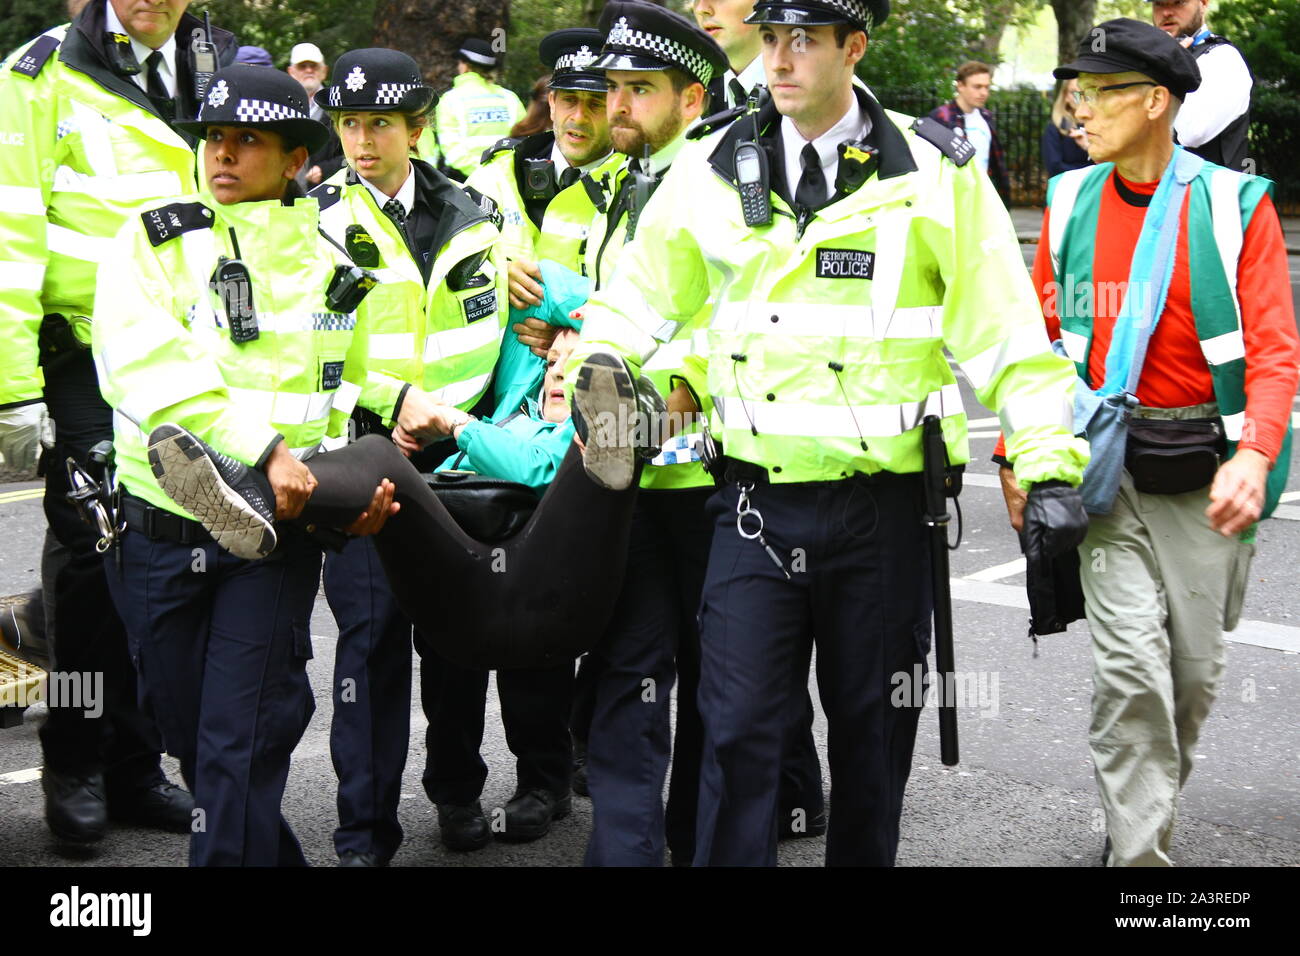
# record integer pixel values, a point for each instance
(81, 148)
(473, 115)
(443, 335)
(826, 338)
(165, 353)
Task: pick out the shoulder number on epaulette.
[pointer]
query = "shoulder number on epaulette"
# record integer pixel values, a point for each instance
(326, 194)
(950, 142)
(168, 222)
(500, 146)
(33, 61)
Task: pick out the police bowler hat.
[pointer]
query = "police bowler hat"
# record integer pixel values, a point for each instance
(376, 80)
(243, 95)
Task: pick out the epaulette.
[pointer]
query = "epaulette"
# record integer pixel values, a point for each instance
(326, 194)
(175, 219)
(711, 124)
(486, 204)
(34, 59)
(500, 146)
(950, 142)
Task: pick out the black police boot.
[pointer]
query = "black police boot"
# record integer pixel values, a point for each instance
(530, 812)
(616, 418)
(580, 768)
(463, 828)
(233, 502)
(75, 809)
(792, 827)
(161, 806)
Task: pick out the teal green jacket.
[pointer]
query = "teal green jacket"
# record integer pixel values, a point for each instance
(515, 443)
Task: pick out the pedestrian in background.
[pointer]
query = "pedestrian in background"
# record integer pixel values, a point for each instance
(538, 117)
(966, 112)
(1064, 144)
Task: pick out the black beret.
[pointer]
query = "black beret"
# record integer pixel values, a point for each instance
(1123, 45)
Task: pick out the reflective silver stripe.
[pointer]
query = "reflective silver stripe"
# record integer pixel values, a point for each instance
(390, 346)
(1026, 341)
(459, 392)
(95, 141)
(132, 187)
(1022, 410)
(1076, 345)
(22, 275)
(450, 342)
(809, 420)
(126, 427)
(634, 325)
(167, 387)
(345, 397)
(1064, 196)
(77, 245)
(333, 444)
(1225, 210)
(829, 321)
(1224, 348)
(566, 229)
(305, 452)
(670, 356)
(22, 200)
(1233, 424)
(283, 408)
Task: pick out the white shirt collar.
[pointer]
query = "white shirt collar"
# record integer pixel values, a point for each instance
(405, 195)
(167, 70)
(562, 163)
(853, 125)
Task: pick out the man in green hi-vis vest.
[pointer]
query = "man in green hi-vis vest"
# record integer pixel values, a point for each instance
(1164, 569)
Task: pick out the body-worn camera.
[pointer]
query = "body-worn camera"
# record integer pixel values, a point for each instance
(348, 286)
(540, 184)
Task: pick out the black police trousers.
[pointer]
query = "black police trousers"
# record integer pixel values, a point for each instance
(539, 599)
(114, 736)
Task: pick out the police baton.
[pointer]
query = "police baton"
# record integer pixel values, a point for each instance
(938, 486)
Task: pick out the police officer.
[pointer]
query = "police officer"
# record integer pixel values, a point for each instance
(436, 321)
(657, 64)
(724, 20)
(85, 114)
(475, 112)
(845, 251)
(235, 317)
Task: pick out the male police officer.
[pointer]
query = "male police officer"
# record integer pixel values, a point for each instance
(475, 112)
(656, 65)
(436, 320)
(724, 20)
(85, 114)
(233, 318)
(832, 310)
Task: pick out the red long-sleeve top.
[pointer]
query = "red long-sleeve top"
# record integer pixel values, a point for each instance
(1175, 372)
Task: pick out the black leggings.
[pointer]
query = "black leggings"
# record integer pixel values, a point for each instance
(535, 600)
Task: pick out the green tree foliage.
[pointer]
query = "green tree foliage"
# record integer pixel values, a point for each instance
(23, 19)
(335, 26)
(1266, 32)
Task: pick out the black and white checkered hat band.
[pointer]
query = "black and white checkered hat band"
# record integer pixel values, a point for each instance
(261, 111)
(336, 98)
(853, 9)
(579, 60)
(392, 92)
(660, 47)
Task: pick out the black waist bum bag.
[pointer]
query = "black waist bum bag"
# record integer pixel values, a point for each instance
(1170, 457)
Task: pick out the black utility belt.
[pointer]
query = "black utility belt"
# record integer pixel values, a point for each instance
(731, 471)
(159, 525)
(1166, 456)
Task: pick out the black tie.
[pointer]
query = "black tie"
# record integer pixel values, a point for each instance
(157, 89)
(738, 92)
(811, 191)
(395, 211)
(569, 176)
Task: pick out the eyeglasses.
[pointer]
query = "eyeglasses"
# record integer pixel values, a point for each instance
(1091, 96)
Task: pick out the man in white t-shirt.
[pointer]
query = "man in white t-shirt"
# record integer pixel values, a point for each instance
(966, 112)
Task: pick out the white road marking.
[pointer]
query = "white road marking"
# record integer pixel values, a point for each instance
(999, 571)
(1287, 512)
(981, 480)
(1278, 637)
(983, 434)
(982, 422)
(20, 776)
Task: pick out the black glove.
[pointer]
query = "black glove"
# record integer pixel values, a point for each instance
(1055, 520)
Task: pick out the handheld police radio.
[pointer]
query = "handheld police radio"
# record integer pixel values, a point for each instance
(753, 178)
(203, 55)
(641, 187)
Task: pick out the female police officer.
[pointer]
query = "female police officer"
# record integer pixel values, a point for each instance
(222, 319)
